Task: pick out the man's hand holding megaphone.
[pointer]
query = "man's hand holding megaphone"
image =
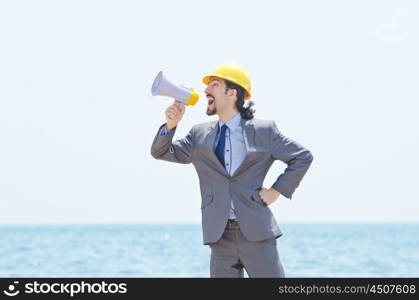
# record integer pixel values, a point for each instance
(184, 96)
(174, 114)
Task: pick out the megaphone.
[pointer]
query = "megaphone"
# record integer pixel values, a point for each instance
(164, 87)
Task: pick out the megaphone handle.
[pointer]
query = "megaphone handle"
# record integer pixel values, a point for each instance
(178, 101)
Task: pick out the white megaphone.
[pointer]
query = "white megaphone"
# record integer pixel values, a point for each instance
(164, 87)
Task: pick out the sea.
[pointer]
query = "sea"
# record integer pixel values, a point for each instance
(177, 250)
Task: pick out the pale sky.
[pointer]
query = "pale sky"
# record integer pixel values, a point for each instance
(77, 119)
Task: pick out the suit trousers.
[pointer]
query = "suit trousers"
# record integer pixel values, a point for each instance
(233, 253)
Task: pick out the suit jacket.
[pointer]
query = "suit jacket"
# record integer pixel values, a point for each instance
(264, 144)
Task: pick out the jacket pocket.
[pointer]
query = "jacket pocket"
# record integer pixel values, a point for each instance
(207, 200)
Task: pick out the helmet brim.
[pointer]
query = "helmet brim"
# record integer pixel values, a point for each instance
(207, 79)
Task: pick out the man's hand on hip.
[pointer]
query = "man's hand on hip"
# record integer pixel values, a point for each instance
(268, 196)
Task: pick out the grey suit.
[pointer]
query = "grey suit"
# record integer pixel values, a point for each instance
(264, 144)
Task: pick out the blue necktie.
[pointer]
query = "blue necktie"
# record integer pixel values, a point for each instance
(219, 151)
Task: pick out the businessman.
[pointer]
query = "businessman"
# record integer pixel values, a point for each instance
(232, 156)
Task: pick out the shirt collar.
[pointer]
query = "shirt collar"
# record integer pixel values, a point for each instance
(233, 123)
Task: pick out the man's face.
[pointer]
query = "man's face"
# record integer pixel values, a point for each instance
(216, 96)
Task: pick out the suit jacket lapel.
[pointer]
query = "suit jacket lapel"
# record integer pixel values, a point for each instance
(249, 141)
(209, 142)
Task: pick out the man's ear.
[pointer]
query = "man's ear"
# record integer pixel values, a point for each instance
(232, 93)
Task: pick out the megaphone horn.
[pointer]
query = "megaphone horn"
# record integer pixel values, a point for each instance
(164, 87)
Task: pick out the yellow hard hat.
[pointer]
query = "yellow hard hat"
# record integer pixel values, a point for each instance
(234, 73)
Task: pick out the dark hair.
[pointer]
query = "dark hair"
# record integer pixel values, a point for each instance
(246, 112)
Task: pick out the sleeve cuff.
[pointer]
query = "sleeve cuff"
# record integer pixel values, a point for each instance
(164, 131)
(283, 190)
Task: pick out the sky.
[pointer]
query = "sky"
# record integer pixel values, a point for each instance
(77, 118)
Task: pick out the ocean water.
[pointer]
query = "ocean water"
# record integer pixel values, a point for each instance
(306, 250)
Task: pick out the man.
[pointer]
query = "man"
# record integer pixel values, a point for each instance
(232, 156)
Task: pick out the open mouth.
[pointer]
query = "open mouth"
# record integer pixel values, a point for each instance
(210, 100)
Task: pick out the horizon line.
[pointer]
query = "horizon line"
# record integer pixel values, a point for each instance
(195, 223)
